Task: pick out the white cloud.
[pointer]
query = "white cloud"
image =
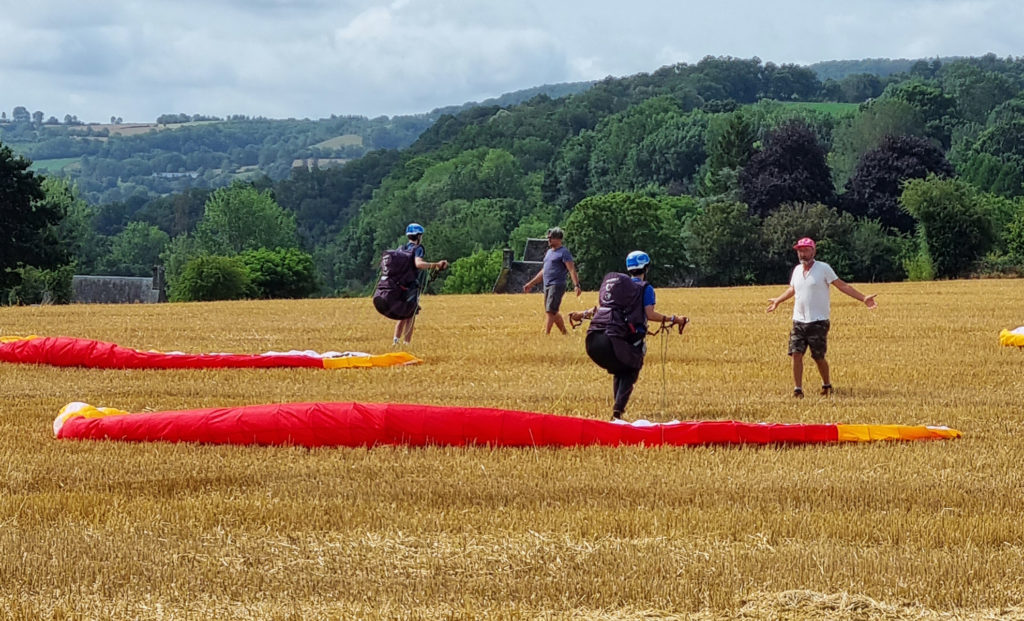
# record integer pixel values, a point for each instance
(310, 58)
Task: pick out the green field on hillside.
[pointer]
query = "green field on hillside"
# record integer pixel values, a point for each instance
(338, 142)
(54, 165)
(828, 107)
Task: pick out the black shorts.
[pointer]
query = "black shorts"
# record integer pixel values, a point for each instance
(813, 334)
(553, 297)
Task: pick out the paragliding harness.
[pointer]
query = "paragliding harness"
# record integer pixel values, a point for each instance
(398, 288)
(620, 315)
(621, 311)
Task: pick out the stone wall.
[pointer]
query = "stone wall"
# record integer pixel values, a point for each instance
(515, 274)
(119, 289)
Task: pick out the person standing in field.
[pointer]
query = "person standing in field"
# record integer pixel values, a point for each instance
(809, 285)
(558, 263)
(618, 326)
(414, 233)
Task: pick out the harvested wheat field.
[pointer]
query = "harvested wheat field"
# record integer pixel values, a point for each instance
(881, 530)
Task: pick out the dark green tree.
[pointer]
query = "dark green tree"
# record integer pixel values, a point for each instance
(724, 243)
(875, 187)
(990, 173)
(29, 220)
(937, 108)
(865, 131)
(977, 92)
(789, 168)
(240, 218)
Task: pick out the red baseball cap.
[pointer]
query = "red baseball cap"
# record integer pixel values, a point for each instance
(805, 242)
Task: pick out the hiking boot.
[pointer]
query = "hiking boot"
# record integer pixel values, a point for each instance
(798, 393)
(826, 390)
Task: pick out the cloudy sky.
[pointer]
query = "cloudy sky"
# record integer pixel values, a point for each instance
(138, 59)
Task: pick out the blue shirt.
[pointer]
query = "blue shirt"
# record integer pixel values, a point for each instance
(648, 293)
(419, 251)
(555, 270)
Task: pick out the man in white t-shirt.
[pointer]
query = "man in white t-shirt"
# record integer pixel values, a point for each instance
(811, 309)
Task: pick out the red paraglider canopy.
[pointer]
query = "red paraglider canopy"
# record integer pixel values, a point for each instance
(371, 424)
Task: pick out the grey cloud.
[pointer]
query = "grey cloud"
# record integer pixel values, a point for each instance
(316, 57)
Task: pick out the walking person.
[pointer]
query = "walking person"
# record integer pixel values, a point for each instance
(809, 285)
(414, 233)
(558, 263)
(618, 326)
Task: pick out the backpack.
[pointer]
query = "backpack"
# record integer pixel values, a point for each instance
(620, 311)
(397, 292)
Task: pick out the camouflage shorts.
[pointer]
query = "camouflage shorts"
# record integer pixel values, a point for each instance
(813, 334)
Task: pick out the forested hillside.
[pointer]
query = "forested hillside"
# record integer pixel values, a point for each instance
(714, 168)
(136, 162)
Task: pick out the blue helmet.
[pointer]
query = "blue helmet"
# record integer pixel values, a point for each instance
(637, 259)
(414, 229)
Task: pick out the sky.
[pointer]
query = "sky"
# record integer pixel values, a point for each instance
(138, 59)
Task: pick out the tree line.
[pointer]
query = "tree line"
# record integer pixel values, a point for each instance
(714, 168)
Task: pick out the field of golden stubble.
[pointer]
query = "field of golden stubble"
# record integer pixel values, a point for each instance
(163, 531)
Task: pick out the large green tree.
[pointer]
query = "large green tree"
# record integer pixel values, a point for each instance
(602, 230)
(135, 250)
(724, 243)
(240, 218)
(29, 235)
(937, 108)
(730, 143)
(953, 229)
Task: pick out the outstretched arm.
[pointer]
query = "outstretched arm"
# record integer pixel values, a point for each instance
(773, 303)
(869, 300)
(421, 264)
(653, 315)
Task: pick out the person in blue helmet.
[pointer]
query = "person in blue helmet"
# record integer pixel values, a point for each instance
(414, 232)
(618, 326)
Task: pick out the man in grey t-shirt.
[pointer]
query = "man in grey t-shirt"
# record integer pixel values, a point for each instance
(557, 263)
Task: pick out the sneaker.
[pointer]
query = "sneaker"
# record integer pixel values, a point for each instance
(616, 416)
(798, 393)
(826, 390)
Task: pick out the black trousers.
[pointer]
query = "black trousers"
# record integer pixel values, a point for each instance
(601, 349)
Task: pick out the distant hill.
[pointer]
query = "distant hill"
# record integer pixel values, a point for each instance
(554, 91)
(118, 161)
(881, 67)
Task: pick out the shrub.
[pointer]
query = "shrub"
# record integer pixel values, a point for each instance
(280, 273)
(475, 273)
(211, 277)
(42, 286)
